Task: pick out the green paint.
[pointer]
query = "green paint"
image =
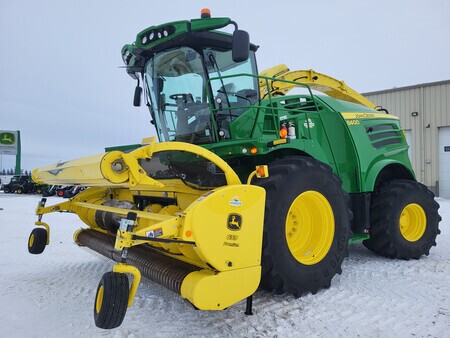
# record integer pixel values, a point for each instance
(354, 152)
(357, 149)
(358, 238)
(18, 155)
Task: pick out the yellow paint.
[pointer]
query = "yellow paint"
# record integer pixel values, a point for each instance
(75, 236)
(223, 227)
(275, 72)
(310, 227)
(205, 220)
(31, 241)
(250, 177)
(124, 268)
(107, 165)
(82, 171)
(366, 116)
(119, 169)
(208, 220)
(47, 227)
(154, 208)
(353, 122)
(413, 222)
(286, 80)
(207, 290)
(99, 299)
(149, 140)
(280, 141)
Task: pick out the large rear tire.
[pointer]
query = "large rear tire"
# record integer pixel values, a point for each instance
(404, 220)
(306, 226)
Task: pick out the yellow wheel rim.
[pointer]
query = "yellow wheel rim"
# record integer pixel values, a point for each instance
(310, 227)
(31, 240)
(99, 300)
(413, 222)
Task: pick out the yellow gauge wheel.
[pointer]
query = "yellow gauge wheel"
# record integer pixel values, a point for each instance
(111, 300)
(37, 241)
(99, 300)
(310, 227)
(413, 222)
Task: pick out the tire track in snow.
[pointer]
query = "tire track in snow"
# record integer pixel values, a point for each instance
(393, 292)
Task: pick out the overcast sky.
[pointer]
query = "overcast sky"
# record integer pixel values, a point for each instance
(61, 85)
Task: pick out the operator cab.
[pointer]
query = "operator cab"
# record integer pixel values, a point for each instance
(199, 84)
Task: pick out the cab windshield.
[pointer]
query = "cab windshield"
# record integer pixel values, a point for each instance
(186, 106)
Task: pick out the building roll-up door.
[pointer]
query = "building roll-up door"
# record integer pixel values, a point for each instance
(444, 162)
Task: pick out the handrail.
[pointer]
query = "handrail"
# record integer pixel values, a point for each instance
(266, 79)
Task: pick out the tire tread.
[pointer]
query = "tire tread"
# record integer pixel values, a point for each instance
(293, 168)
(115, 300)
(384, 238)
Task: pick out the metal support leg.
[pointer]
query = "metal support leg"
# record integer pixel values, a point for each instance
(41, 205)
(248, 307)
(127, 224)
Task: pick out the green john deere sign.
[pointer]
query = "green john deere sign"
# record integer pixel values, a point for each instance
(8, 142)
(7, 138)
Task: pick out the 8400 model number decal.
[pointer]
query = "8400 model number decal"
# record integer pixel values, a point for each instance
(353, 122)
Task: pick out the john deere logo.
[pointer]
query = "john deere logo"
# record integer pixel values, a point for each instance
(234, 222)
(7, 138)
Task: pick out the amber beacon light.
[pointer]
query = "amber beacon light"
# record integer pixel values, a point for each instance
(205, 13)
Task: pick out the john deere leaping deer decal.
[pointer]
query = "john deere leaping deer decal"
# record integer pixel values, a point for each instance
(234, 222)
(7, 138)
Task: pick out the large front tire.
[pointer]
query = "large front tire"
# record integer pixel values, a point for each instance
(306, 226)
(404, 220)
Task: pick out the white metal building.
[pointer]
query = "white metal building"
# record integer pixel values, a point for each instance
(424, 112)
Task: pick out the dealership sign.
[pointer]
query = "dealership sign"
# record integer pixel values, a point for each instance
(8, 142)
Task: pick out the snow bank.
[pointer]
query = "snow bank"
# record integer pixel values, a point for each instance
(52, 295)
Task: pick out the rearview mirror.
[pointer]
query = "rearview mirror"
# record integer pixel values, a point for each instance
(137, 96)
(241, 46)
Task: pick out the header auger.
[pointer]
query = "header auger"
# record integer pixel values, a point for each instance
(329, 170)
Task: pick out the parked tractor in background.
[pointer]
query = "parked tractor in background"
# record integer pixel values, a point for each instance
(22, 184)
(329, 170)
(19, 184)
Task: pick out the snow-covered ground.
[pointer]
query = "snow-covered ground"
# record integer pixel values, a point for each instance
(52, 295)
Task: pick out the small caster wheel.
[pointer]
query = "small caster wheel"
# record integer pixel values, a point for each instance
(111, 300)
(37, 241)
